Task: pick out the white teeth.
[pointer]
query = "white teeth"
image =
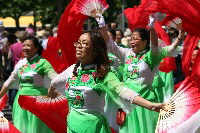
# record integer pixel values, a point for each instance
(78, 52)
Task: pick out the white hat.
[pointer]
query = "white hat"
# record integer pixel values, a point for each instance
(1, 24)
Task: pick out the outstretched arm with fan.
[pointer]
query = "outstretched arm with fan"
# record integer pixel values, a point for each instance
(182, 105)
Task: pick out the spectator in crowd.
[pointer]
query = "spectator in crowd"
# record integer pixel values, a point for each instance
(45, 36)
(3, 39)
(113, 25)
(119, 36)
(54, 31)
(1, 28)
(30, 29)
(127, 37)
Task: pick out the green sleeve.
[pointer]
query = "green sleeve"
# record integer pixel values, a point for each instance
(155, 56)
(114, 88)
(48, 69)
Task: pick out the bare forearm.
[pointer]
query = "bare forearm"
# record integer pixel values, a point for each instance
(3, 91)
(176, 43)
(104, 33)
(138, 100)
(153, 37)
(180, 37)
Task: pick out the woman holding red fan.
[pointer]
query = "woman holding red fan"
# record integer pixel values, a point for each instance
(30, 72)
(139, 69)
(86, 83)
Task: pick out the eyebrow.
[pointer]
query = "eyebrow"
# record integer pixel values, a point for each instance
(82, 40)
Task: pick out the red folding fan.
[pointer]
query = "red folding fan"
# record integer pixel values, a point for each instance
(175, 23)
(53, 112)
(7, 127)
(92, 7)
(182, 105)
(3, 101)
(54, 55)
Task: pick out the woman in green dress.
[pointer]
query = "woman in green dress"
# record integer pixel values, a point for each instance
(86, 84)
(31, 73)
(140, 62)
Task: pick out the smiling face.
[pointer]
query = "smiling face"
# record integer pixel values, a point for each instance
(29, 49)
(85, 52)
(118, 36)
(137, 43)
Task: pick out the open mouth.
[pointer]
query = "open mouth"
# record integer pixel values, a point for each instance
(78, 52)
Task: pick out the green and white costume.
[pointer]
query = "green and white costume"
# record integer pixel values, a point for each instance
(111, 107)
(138, 74)
(34, 78)
(86, 98)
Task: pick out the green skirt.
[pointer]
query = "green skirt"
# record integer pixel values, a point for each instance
(86, 122)
(25, 121)
(141, 120)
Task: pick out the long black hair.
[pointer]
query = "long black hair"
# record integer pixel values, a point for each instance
(101, 60)
(36, 44)
(145, 36)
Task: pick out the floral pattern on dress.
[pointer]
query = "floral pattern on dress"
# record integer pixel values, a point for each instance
(85, 78)
(33, 66)
(75, 98)
(21, 72)
(129, 61)
(94, 74)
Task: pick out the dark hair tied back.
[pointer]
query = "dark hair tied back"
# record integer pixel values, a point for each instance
(36, 44)
(145, 35)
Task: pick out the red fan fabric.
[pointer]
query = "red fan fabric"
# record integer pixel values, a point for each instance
(189, 45)
(138, 16)
(196, 67)
(135, 18)
(50, 111)
(7, 127)
(52, 55)
(190, 86)
(112, 130)
(187, 10)
(190, 17)
(187, 102)
(3, 101)
(69, 30)
(168, 64)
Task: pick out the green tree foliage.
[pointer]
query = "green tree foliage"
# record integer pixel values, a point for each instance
(49, 11)
(115, 8)
(14, 9)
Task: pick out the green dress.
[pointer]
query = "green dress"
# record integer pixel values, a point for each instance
(138, 74)
(31, 75)
(86, 98)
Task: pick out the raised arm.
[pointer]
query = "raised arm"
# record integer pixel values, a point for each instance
(153, 34)
(177, 41)
(111, 45)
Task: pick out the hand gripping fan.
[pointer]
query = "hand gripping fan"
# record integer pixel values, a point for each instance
(181, 106)
(175, 23)
(7, 127)
(53, 112)
(3, 101)
(92, 7)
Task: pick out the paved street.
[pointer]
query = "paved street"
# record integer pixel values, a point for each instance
(8, 113)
